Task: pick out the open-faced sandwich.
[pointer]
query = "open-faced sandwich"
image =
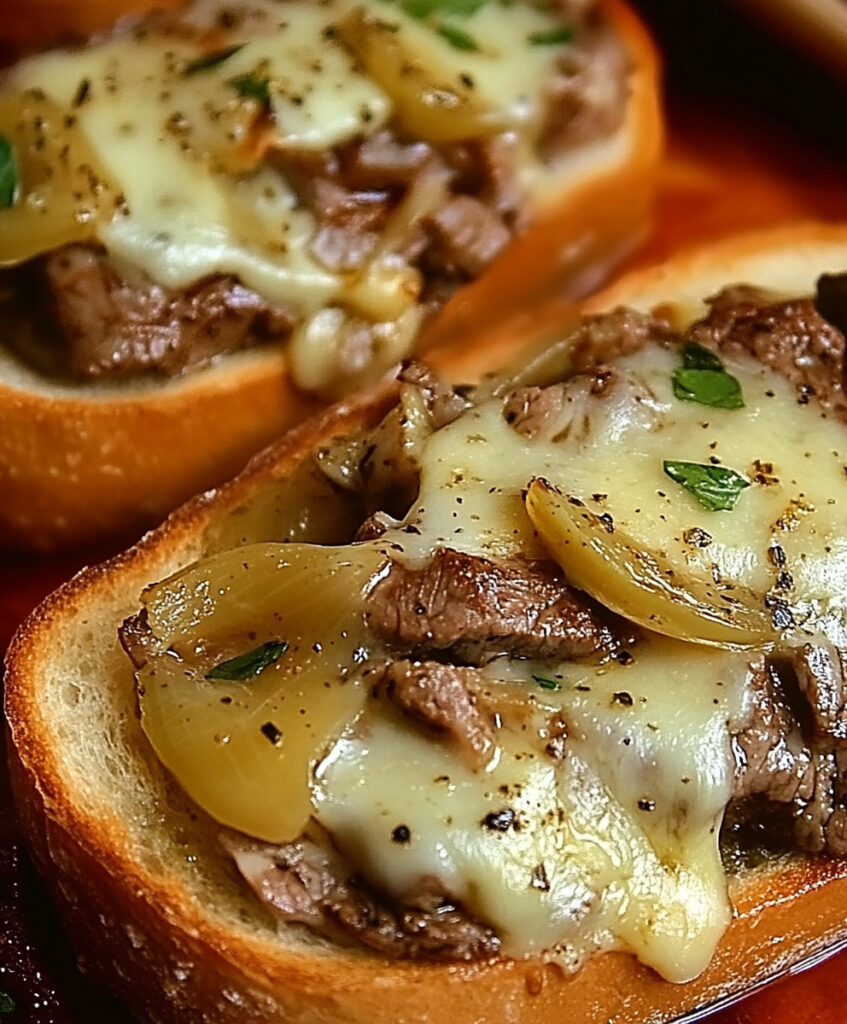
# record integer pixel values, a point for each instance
(520, 702)
(216, 217)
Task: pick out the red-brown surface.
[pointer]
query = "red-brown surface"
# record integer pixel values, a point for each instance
(755, 140)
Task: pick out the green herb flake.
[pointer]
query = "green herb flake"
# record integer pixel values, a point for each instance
(420, 9)
(423, 9)
(715, 487)
(714, 388)
(458, 39)
(8, 173)
(553, 37)
(252, 87)
(211, 60)
(703, 379)
(545, 683)
(696, 357)
(248, 665)
(7, 1004)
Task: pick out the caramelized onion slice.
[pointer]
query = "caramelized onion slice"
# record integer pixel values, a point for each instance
(640, 583)
(244, 749)
(62, 189)
(429, 102)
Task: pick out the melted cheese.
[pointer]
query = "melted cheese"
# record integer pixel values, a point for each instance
(616, 846)
(613, 844)
(477, 469)
(627, 827)
(181, 148)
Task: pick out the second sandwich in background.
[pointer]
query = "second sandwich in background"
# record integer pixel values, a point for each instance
(213, 216)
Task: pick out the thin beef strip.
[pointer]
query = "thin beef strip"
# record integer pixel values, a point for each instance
(441, 697)
(465, 236)
(308, 883)
(477, 609)
(586, 99)
(349, 223)
(381, 161)
(106, 320)
(791, 337)
(791, 754)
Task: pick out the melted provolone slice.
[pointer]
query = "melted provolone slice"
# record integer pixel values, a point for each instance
(783, 547)
(614, 846)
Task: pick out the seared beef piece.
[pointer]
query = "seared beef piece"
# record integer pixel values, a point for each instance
(820, 824)
(465, 235)
(443, 403)
(349, 223)
(771, 756)
(594, 404)
(109, 321)
(586, 99)
(608, 336)
(500, 185)
(540, 412)
(308, 883)
(296, 880)
(791, 753)
(381, 161)
(440, 696)
(383, 463)
(820, 676)
(792, 337)
(479, 609)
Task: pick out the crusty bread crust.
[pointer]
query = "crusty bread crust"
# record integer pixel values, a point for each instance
(161, 917)
(81, 463)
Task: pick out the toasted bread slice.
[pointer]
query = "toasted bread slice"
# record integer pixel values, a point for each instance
(79, 462)
(151, 902)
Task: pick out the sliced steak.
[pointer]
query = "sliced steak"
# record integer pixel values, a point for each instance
(111, 321)
(349, 223)
(586, 98)
(466, 235)
(820, 675)
(479, 609)
(791, 753)
(441, 697)
(443, 403)
(597, 403)
(771, 756)
(308, 883)
(791, 337)
(382, 160)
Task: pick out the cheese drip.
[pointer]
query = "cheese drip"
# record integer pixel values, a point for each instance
(616, 846)
(612, 842)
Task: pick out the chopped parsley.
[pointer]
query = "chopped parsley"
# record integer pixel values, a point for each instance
(546, 684)
(8, 173)
(250, 664)
(7, 1004)
(553, 37)
(211, 60)
(252, 87)
(458, 39)
(434, 11)
(715, 487)
(696, 357)
(423, 9)
(702, 378)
